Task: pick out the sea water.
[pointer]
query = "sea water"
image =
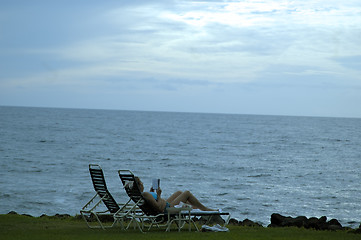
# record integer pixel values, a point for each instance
(248, 165)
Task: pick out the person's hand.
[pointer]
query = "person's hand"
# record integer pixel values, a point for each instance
(159, 192)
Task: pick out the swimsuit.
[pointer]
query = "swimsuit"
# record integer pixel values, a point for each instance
(167, 205)
(154, 195)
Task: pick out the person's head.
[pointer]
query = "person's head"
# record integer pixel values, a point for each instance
(139, 183)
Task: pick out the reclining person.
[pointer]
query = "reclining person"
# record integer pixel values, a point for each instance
(160, 204)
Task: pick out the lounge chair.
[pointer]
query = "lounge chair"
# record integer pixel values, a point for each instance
(113, 211)
(178, 215)
(147, 217)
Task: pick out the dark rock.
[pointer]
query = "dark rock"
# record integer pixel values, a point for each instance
(297, 222)
(334, 222)
(249, 223)
(216, 219)
(312, 223)
(323, 226)
(13, 213)
(321, 223)
(277, 219)
(233, 221)
(213, 219)
(357, 231)
(323, 219)
(202, 220)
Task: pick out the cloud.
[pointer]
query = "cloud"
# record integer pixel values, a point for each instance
(181, 46)
(351, 62)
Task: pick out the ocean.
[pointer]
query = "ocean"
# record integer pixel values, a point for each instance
(249, 165)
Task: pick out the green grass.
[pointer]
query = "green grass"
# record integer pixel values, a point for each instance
(50, 228)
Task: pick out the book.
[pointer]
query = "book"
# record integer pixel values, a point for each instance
(155, 183)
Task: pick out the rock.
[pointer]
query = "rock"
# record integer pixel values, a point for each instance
(62, 216)
(334, 222)
(233, 221)
(215, 219)
(323, 219)
(333, 225)
(277, 219)
(357, 231)
(321, 223)
(298, 221)
(249, 223)
(312, 223)
(202, 220)
(13, 213)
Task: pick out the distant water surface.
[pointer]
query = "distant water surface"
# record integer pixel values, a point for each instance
(251, 166)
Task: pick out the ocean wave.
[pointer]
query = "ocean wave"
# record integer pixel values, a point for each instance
(259, 175)
(253, 166)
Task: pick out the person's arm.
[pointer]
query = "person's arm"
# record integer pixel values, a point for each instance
(159, 192)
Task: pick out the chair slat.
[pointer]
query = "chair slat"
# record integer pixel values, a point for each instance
(100, 187)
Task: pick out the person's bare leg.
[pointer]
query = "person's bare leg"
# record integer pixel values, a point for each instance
(174, 196)
(188, 197)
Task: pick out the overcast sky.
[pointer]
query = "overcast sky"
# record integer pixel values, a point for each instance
(248, 57)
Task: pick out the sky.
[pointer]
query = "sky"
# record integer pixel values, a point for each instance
(271, 57)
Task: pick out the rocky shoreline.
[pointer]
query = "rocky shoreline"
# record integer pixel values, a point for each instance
(321, 223)
(277, 220)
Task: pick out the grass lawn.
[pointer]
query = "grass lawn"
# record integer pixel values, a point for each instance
(50, 228)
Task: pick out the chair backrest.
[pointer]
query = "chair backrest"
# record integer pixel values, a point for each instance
(100, 187)
(133, 191)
